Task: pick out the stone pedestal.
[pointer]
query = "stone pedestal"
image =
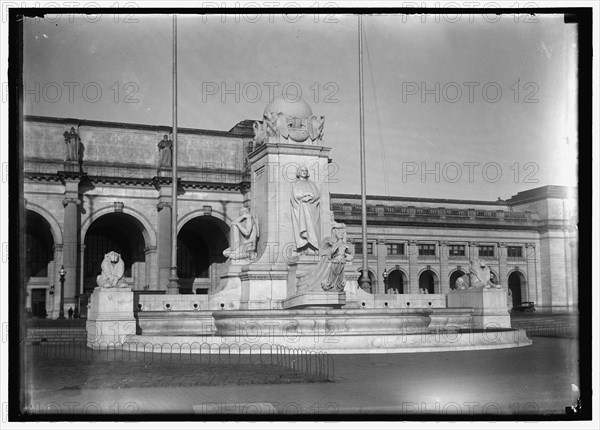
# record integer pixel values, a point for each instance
(262, 288)
(315, 300)
(265, 283)
(489, 306)
(110, 318)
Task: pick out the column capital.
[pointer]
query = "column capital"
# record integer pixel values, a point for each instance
(57, 247)
(502, 244)
(162, 205)
(412, 242)
(443, 243)
(530, 245)
(67, 200)
(380, 241)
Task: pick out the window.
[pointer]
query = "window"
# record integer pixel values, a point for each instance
(426, 249)
(359, 248)
(486, 251)
(515, 252)
(395, 248)
(457, 250)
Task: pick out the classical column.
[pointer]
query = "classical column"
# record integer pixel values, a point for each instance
(139, 274)
(502, 265)
(573, 245)
(568, 275)
(381, 257)
(58, 262)
(413, 267)
(164, 244)
(81, 274)
(444, 281)
(530, 255)
(538, 277)
(473, 251)
(150, 267)
(71, 224)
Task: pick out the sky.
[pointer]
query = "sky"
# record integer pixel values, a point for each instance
(456, 106)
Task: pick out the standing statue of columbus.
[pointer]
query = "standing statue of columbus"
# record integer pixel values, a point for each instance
(306, 220)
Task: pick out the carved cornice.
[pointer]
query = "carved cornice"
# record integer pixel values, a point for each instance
(201, 185)
(65, 176)
(156, 182)
(42, 177)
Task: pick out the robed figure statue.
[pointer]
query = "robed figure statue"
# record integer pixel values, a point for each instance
(306, 220)
(165, 148)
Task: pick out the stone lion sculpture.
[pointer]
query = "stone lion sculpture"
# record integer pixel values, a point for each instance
(113, 270)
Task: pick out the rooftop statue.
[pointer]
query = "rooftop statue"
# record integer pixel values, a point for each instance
(72, 141)
(113, 270)
(165, 148)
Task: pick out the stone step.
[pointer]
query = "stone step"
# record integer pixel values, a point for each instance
(56, 335)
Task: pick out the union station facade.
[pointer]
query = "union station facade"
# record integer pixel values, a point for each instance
(114, 198)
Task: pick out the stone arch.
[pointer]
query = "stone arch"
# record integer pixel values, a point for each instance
(517, 286)
(494, 276)
(454, 275)
(52, 222)
(429, 280)
(398, 279)
(372, 277)
(125, 232)
(201, 240)
(140, 219)
(217, 214)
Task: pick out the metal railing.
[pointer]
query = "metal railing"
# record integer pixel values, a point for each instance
(316, 365)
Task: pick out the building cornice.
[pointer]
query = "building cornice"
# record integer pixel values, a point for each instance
(127, 125)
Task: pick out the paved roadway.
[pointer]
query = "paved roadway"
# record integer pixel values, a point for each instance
(541, 378)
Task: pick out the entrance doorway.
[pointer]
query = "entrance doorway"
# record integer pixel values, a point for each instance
(38, 302)
(516, 282)
(200, 245)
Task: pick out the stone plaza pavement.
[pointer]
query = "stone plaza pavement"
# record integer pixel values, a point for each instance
(542, 379)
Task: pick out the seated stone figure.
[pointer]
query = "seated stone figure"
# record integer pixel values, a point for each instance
(113, 271)
(478, 277)
(243, 236)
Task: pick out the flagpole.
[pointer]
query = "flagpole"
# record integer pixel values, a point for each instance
(173, 280)
(365, 283)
